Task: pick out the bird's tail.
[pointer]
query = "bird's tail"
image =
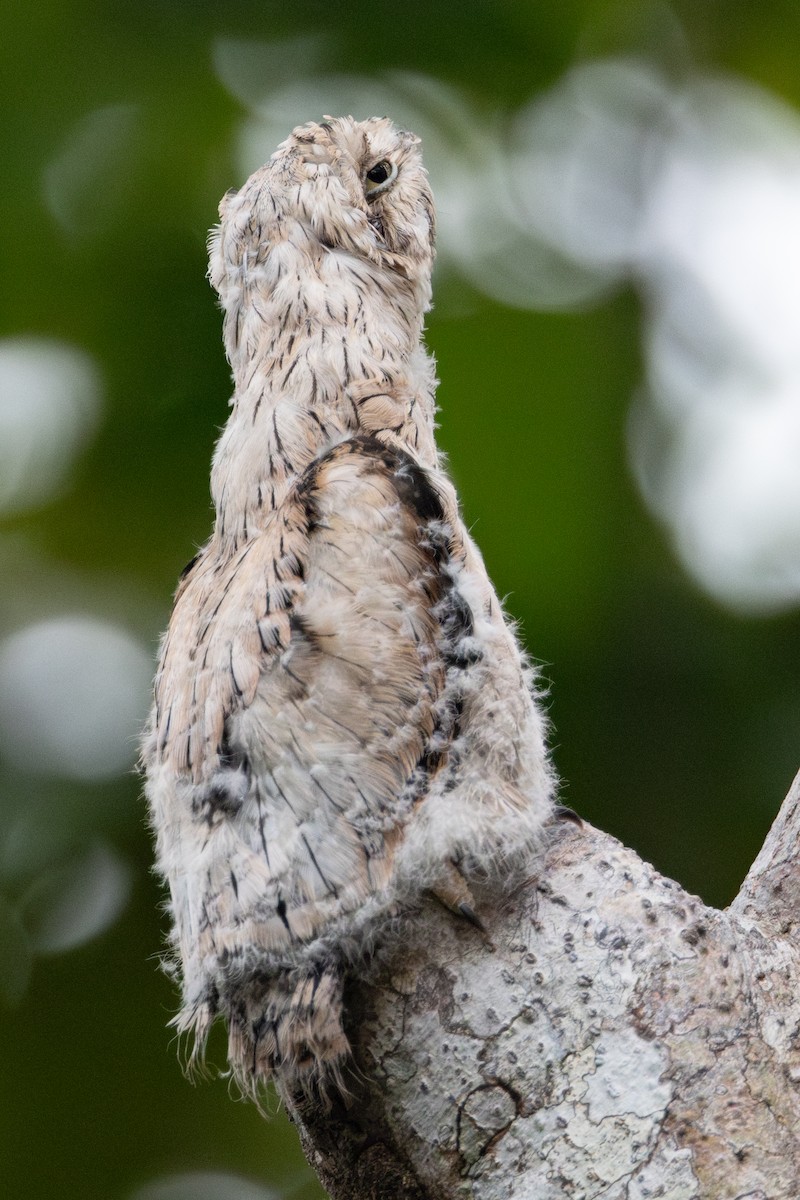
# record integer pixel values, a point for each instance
(288, 1028)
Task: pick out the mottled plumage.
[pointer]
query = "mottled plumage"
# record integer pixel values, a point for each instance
(342, 714)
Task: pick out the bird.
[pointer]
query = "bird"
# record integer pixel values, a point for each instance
(343, 717)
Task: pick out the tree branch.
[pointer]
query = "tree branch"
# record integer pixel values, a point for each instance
(610, 1037)
(770, 894)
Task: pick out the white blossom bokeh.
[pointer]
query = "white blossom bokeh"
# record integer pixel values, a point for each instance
(50, 404)
(73, 694)
(207, 1185)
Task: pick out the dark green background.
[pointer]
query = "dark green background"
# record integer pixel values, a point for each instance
(675, 721)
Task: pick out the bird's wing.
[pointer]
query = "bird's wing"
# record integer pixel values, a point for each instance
(236, 613)
(345, 730)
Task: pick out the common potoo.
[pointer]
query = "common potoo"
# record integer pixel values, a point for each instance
(342, 715)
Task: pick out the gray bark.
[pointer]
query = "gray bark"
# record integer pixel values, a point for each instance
(611, 1036)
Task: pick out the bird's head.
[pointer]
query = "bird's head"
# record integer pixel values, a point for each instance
(342, 186)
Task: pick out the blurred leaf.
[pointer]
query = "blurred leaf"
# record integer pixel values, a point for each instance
(73, 693)
(15, 955)
(250, 68)
(32, 845)
(205, 1185)
(50, 399)
(88, 183)
(78, 901)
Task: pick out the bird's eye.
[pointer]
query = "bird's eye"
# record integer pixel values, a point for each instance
(379, 177)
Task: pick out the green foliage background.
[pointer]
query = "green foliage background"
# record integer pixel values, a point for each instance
(675, 721)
